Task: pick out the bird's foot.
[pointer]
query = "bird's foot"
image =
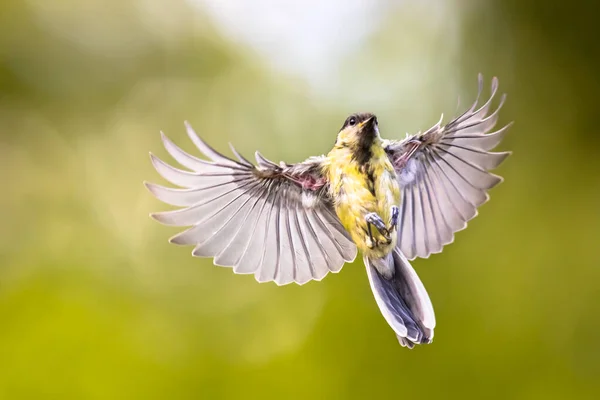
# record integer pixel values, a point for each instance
(373, 219)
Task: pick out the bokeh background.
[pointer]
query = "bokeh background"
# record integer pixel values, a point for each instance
(95, 304)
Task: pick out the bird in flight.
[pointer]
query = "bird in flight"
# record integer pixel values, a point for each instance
(394, 200)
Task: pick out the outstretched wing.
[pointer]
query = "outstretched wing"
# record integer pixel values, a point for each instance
(444, 176)
(273, 221)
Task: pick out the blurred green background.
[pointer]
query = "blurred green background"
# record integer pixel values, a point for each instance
(95, 304)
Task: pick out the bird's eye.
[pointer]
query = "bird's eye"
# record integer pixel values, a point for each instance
(352, 121)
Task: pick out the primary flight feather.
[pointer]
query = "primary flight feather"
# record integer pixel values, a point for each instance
(394, 200)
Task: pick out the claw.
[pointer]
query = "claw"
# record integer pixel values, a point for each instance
(376, 221)
(394, 219)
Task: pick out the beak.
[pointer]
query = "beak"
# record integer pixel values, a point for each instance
(367, 123)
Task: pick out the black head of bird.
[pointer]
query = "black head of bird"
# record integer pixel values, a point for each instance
(358, 130)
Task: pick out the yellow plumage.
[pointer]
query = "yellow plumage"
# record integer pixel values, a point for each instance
(359, 188)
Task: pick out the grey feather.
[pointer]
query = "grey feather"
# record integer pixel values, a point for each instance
(249, 263)
(231, 254)
(252, 218)
(402, 300)
(305, 261)
(447, 177)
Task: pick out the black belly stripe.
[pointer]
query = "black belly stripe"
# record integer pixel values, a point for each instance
(362, 153)
(370, 180)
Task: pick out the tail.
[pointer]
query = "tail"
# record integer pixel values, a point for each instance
(402, 298)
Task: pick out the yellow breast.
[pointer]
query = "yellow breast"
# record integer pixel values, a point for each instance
(362, 189)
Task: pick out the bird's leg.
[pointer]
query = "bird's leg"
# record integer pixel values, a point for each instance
(370, 241)
(375, 220)
(394, 218)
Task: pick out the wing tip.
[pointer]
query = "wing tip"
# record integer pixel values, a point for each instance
(480, 81)
(196, 252)
(155, 190)
(504, 155)
(155, 160)
(353, 258)
(163, 218)
(166, 141)
(150, 186)
(155, 216)
(176, 240)
(495, 83)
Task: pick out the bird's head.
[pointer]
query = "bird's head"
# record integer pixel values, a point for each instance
(358, 131)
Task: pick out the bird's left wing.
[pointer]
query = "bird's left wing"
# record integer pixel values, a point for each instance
(444, 176)
(271, 220)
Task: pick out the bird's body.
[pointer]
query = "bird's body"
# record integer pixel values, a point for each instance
(394, 200)
(362, 181)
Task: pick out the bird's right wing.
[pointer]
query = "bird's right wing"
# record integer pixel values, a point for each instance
(273, 221)
(444, 174)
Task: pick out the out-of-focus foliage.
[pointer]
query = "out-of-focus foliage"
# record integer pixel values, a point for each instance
(94, 304)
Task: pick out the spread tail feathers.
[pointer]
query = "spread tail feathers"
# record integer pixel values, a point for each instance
(402, 298)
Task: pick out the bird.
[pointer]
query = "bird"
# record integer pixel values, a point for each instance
(392, 200)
